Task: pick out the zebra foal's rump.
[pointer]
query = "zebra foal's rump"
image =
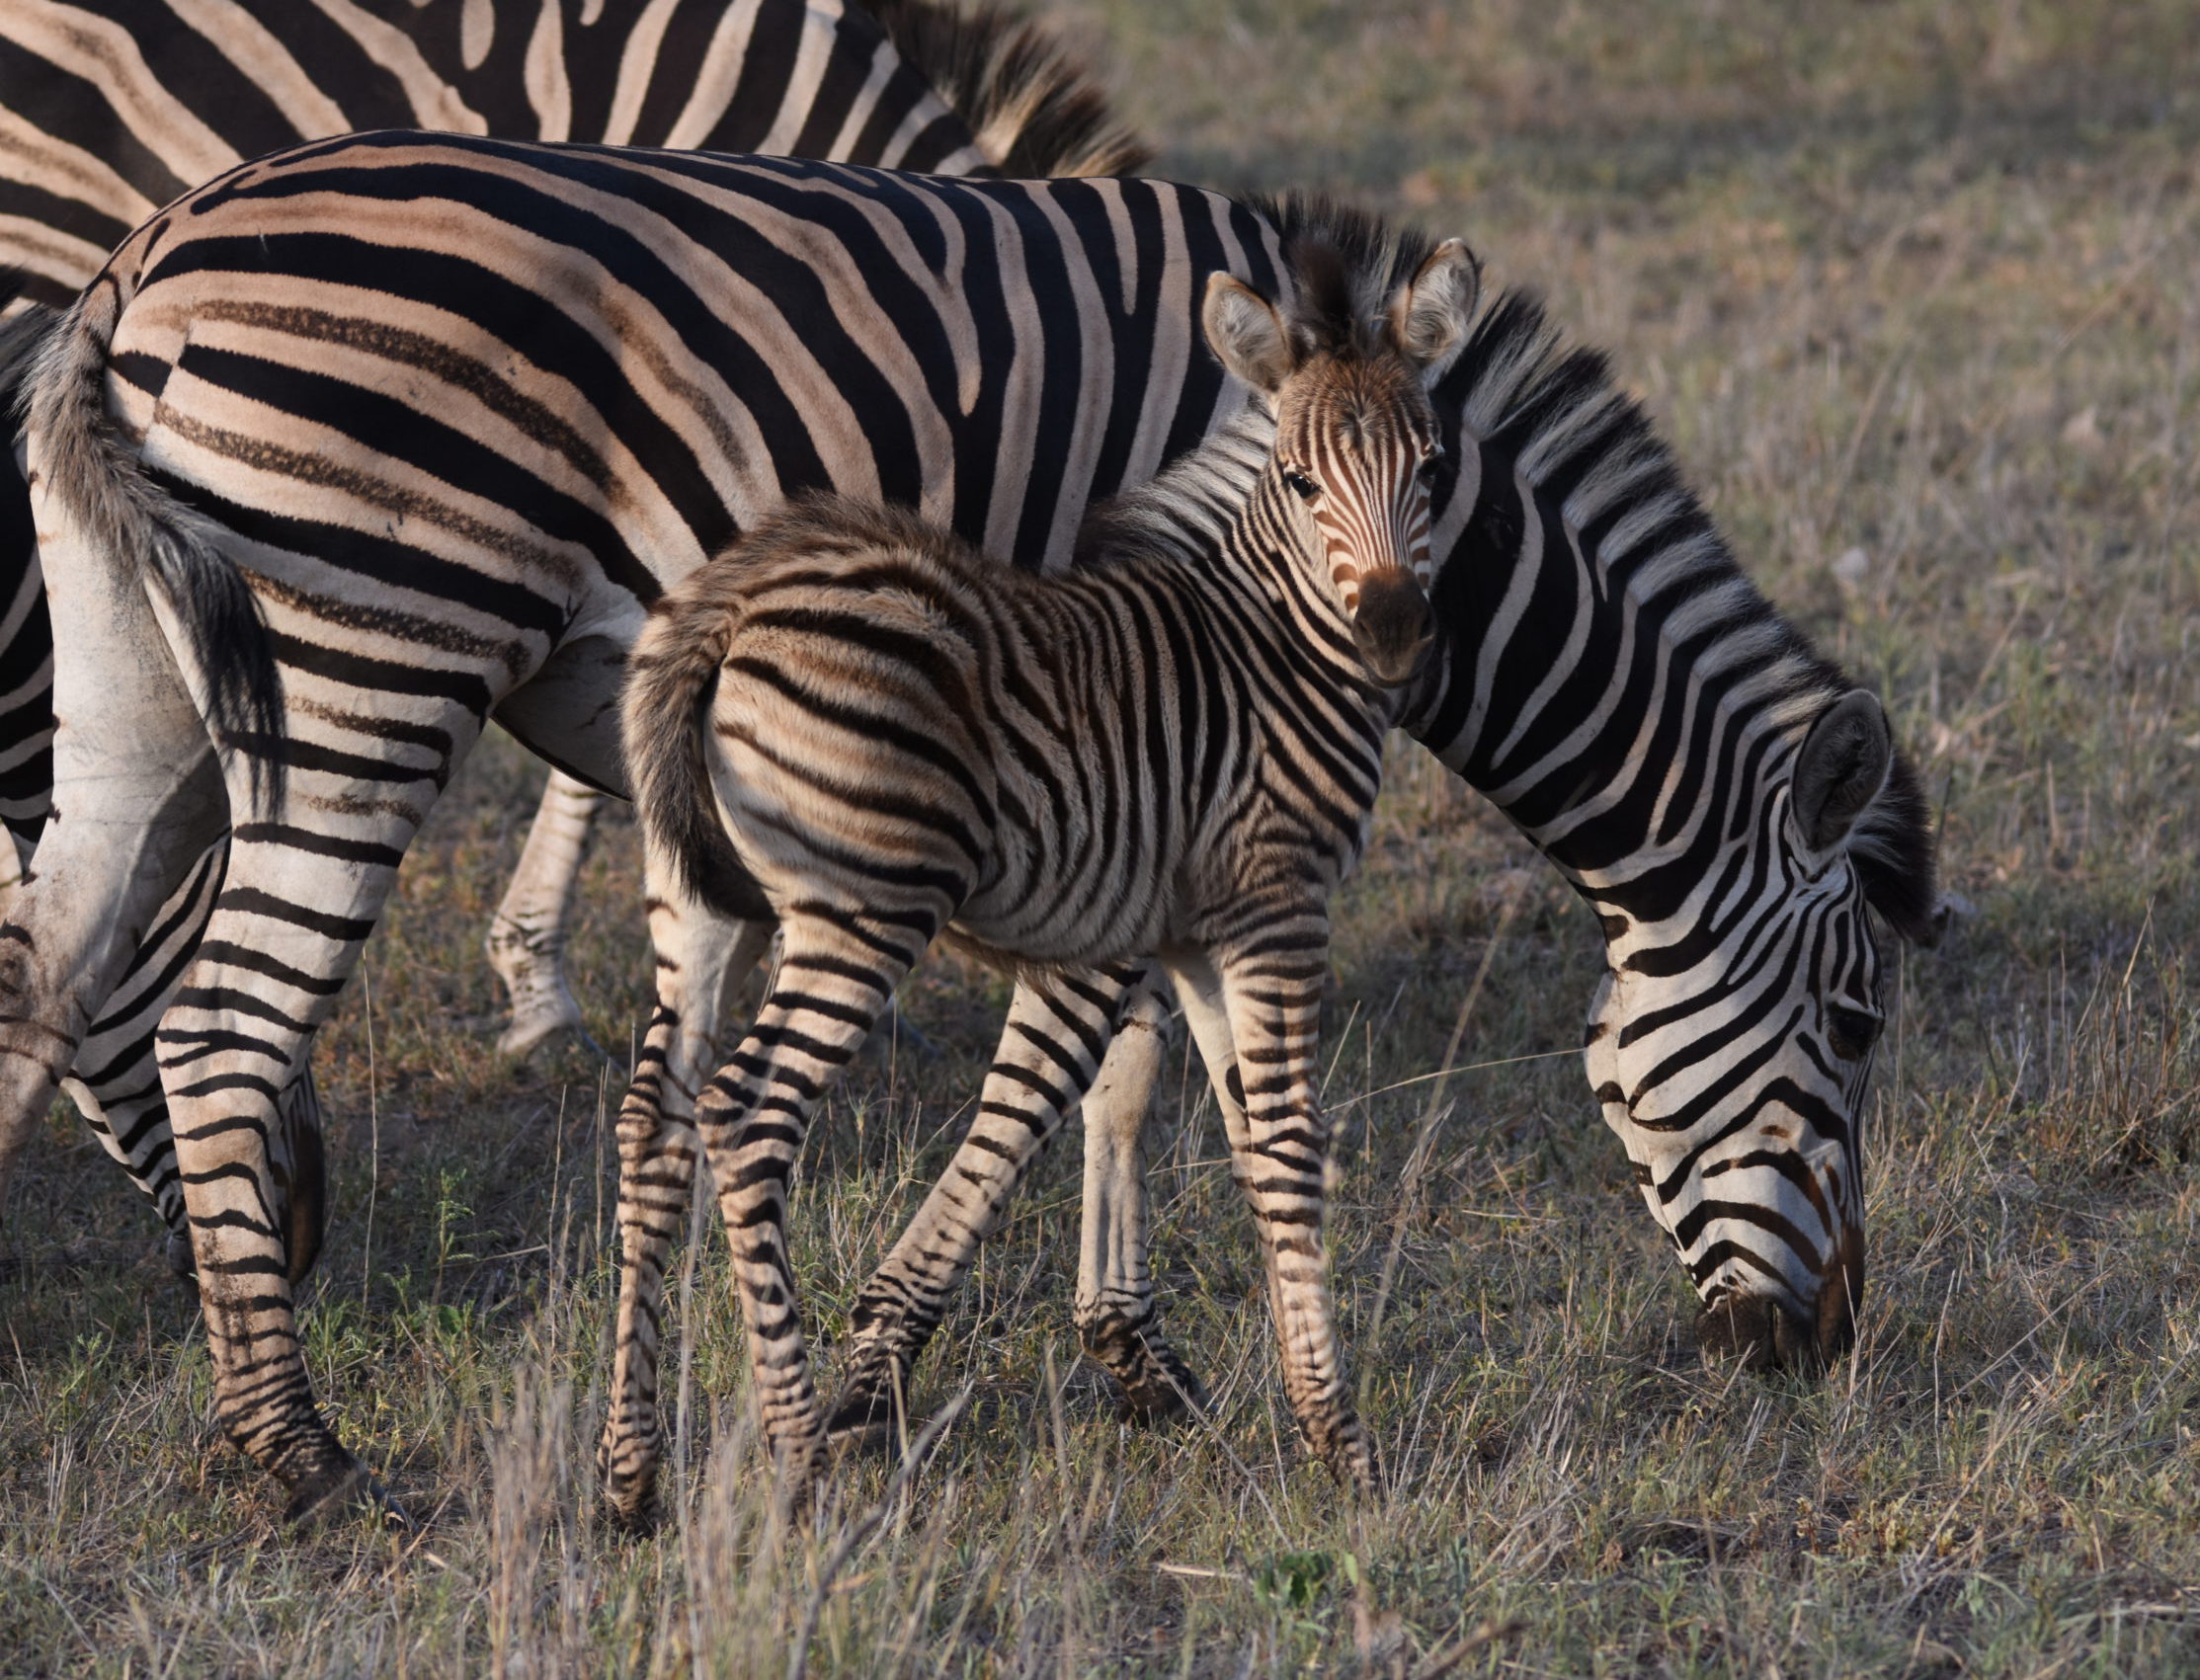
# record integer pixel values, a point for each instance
(858, 722)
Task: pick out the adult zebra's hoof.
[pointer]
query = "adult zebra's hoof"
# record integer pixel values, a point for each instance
(343, 1492)
(180, 1261)
(544, 1022)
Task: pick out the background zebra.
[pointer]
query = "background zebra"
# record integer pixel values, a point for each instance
(896, 338)
(902, 738)
(114, 106)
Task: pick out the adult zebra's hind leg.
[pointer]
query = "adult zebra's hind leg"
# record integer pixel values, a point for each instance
(526, 936)
(116, 1085)
(1055, 1043)
(701, 960)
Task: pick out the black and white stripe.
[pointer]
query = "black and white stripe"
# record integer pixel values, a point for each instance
(1160, 750)
(459, 409)
(114, 107)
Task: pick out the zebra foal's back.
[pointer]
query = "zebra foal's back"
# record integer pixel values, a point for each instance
(856, 723)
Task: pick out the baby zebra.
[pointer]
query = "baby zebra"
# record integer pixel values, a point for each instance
(891, 737)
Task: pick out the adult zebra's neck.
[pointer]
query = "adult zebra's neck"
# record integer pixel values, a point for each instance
(1606, 675)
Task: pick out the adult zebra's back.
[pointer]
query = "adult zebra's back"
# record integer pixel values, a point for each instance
(459, 408)
(109, 108)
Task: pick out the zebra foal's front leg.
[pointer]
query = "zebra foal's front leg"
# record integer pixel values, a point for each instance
(1116, 1319)
(1064, 1031)
(1272, 995)
(702, 959)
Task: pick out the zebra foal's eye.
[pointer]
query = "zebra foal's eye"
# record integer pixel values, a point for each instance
(1851, 1032)
(1428, 465)
(1299, 485)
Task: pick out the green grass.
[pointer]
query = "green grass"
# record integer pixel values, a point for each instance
(1918, 281)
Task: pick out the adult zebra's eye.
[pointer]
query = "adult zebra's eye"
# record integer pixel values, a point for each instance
(1851, 1032)
(1299, 485)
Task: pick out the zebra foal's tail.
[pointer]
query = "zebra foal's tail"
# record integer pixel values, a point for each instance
(128, 517)
(671, 674)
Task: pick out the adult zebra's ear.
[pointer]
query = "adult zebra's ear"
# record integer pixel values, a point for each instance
(1428, 314)
(1839, 771)
(1246, 332)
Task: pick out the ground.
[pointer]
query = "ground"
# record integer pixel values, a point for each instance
(1915, 289)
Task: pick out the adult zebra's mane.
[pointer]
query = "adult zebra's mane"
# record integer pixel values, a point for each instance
(1573, 435)
(1031, 108)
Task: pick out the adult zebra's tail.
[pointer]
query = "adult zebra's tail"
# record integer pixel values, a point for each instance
(128, 517)
(669, 678)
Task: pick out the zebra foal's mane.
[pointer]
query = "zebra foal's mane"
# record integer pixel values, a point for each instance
(1343, 265)
(1033, 108)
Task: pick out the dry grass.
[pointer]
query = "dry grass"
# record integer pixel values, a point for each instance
(1913, 287)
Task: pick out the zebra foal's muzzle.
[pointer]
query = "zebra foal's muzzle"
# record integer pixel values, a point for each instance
(1392, 626)
(1770, 1332)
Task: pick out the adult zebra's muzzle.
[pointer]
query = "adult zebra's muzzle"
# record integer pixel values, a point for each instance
(1392, 626)
(1774, 1332)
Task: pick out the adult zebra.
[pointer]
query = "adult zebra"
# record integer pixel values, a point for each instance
(440, 522)
(114, 107)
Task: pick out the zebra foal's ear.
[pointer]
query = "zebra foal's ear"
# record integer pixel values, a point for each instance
(1428, 314)
(1840, 768)
(1246, 332)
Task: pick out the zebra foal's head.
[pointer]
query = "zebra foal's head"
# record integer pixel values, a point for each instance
(1731, 1038)
(1356, 441)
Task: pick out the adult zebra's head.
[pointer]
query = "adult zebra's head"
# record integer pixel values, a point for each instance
(1356, 442)
(1731, 1038)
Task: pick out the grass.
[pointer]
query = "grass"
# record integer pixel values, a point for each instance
(1916, 290)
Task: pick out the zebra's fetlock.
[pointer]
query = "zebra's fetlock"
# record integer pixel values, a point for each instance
(1154, 1385)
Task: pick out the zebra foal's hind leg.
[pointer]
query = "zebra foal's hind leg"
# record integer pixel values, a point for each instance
(701, 960)
(837, 972)
(1057, 1040)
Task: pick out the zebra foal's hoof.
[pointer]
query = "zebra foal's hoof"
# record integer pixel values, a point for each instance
(343, 1492)
(863, 1420)
(1165, 1394)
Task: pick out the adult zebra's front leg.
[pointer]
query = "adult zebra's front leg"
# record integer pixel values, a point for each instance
(526, 936)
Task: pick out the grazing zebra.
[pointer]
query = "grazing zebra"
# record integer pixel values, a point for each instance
(578, 371)
(112, 106)
(900, 735)
(1729, 802)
